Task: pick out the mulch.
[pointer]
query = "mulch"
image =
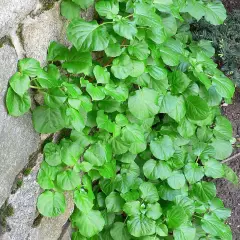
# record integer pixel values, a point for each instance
(231, 4)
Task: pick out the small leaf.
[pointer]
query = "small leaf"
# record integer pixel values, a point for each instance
(176, 216)
(119, 231)
(20, 83)
(29, 66)
(52, 154)
(176, 180)
(114, 202)
(149, 192)
(17, 105)
(214, 169)
(51, 204)
(132, 208)
(68, 180)
(125, 28)
(57, 51)
(70, 10)
(162, 148)
(154, 211)
(184, 233)
(101, 74)
(193, 172)
(84, 3)
(107, 8)
(95, 92)
(223, 128)
(204, 191)
(222, 148)
(121, 66)
(82, 200)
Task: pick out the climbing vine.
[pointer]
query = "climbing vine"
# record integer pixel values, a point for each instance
(141, 101)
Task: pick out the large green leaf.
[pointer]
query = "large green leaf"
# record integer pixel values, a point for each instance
(84, 3)
(222, 148)
(184, 233)
(70, 10)
(193, 172)
(83, 201)
(51, 204)
(119, 231)
(214, 169)
(17, 105)
(176, 216)
(176, 180)
(149, 192)
(224, 86)
(121, 66)
(215, 13)
(20, 83)
(204, 191)
(140, 226)
(107, 8)
(48, 120)
(87, 36)
(223, 128)
(162, 148)
(114, 202)
(68, 180)
(90, 223)
(197, 108)
(143, 104)
(52, 154)
(125, 28)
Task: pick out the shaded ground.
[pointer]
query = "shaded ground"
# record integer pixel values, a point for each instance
(231, 5)
(226, 191)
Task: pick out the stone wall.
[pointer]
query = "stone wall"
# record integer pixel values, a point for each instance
(26, 29)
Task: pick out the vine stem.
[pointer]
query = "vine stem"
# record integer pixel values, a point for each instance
(231, 158)
(34, 87)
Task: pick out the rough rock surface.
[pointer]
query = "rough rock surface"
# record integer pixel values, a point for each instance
(18, 140)
(13, 12)
(38, 32)
(24, 203)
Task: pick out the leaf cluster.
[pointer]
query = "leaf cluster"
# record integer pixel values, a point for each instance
(145, 122)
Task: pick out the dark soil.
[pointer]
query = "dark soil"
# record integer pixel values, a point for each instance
(227, 191)
(231, 5)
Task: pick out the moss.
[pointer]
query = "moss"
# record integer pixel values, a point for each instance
(5, 40)
(47, 4)
(5, 211)
(19, 183)
(27, 171)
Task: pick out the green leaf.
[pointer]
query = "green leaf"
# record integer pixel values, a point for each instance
(68, 180)
(145, 15)
(54, 98)
(47, 175)
(140, 225)
(83, 201)
(48, 120)
(101, 74)
(108, 170)
(134, 137)
(121, 66)
(125, 28)
(20, 83)
(143, 104)
(52, 154)
(139, 50)
(84, 3)
(107, 9)
(29, 66)
(186, 128)
(161, 229)
(51, 204)
(132, 208)
(214, 169)
(89, 224)
(195, 8)
(87, 36)
(149, 192)
(157, 72)
(193, 172)
(224, 86)
(104, 123)
(114, 202)
(17, 105)
(169, 56)
(215, 13)
(204, 191)
(230, 175)
(184, 233)
(217, 207)
(176, 180)
(222, 148)
(78, 62)
(76, 119)
(176, 216)
(96, 93)
(154, 170)
(117, 92)
(98, 153)
(154, 211)
(119, 231)
(223, 128)
(197, 108)
(57, 51)
(212, 225)
(162, 148)
(138, 68)
(179, 82)
(70, 10)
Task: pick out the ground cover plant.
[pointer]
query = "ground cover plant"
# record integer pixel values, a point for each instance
(141, 100)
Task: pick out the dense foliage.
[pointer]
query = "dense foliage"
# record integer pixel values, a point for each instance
(225, 38)
(145, 122)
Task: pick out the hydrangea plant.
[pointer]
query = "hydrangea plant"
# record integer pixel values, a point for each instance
(141, 101)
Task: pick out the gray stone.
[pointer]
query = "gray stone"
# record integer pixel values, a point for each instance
(18, 140)
(24, 205)
(51, 228)
(38, 32)
(12, 12)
